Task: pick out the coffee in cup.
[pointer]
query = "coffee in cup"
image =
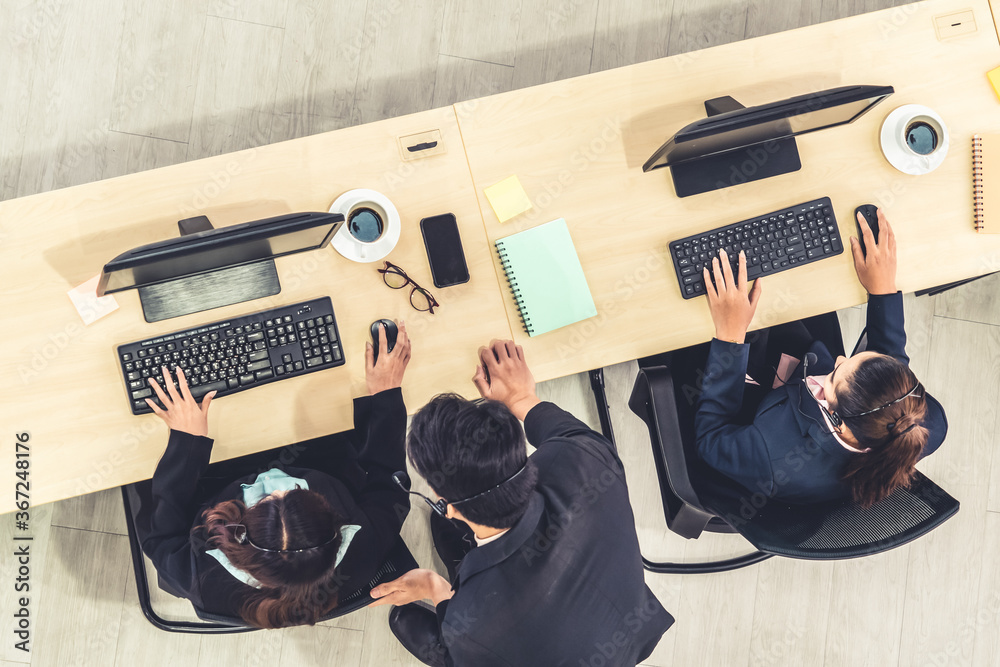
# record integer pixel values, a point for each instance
(365, 225)
(921, 138)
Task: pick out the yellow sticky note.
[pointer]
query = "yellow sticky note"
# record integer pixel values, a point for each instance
(994, 77)
(508, 198)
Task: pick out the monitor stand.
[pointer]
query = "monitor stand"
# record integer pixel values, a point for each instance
(223, 287)
(722, 170)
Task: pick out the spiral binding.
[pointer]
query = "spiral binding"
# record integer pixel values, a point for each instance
(977, 181)
(514, 289)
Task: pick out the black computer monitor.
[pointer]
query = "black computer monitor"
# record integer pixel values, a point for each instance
(214, 267)
(737, 144)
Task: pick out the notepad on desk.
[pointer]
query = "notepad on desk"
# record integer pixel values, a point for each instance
(545, 277)
(986, 183)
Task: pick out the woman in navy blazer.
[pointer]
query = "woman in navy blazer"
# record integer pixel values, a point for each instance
(836, 429)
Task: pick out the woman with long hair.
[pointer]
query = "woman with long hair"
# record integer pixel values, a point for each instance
(281, 546)
(808, 424)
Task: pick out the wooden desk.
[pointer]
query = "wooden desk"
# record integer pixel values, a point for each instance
(578, 147)
(60, 378)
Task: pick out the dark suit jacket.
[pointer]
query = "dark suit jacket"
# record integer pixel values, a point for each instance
(788, 453)
(565, 585)
(379, 508)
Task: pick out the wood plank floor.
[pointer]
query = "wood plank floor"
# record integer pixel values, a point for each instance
(109, 87)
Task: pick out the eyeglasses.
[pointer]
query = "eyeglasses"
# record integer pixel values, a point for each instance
(240, 533)
(420, 298)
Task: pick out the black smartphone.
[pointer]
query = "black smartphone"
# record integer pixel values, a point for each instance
(444, 250)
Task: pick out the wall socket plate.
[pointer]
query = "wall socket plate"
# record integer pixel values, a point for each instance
(956, 24)
(421, 144)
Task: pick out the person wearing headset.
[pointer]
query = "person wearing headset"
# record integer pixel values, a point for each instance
(554, 576)
(281, 547)
(841, 428)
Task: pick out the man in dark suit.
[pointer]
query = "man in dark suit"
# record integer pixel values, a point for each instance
(556, 578)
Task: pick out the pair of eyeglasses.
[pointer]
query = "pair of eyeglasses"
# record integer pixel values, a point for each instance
(240, 533)
(420, 298)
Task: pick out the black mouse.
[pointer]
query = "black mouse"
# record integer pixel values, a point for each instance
(870, 213)
(390, 335)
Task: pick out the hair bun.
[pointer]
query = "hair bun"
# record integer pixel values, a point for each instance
(905, 423)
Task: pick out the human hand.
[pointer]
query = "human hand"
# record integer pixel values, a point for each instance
(180, 411)
(387, 372)
(732, 309)
(415, 585)
(877, 270)
(510, 380)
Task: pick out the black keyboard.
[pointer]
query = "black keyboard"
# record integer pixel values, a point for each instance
(772, 242)
(233, 355)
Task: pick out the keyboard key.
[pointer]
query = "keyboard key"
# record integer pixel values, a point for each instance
(258, 365)
(313, 362)
(257, 355)
(198, 392)
(263, 375)
(245, 380)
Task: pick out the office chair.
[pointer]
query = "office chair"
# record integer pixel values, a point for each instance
(396, 563)
(696, 498)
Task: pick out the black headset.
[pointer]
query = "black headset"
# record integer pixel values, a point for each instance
(440, 506)
(835, 417)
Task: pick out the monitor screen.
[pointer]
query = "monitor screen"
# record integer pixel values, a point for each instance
(214, 249)
(747, 127)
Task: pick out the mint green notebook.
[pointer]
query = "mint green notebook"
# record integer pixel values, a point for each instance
(545, 277)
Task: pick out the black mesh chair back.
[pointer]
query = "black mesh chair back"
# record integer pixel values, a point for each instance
(834, 531)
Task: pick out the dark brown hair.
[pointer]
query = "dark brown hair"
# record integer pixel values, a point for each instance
(895, 435)
(297, 588)
(463, 448)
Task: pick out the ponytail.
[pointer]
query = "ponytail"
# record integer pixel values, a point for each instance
(894, 436)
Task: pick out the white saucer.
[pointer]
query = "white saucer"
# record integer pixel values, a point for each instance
(350, 247)
(895, 149)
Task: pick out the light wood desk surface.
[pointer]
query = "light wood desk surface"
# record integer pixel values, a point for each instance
(578, 147)
(61, 381)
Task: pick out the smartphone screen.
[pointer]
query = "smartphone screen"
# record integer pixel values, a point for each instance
(444, 250)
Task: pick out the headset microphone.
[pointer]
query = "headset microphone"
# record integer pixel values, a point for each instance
(811, 358)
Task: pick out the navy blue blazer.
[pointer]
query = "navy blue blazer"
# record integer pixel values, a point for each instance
(788, 452)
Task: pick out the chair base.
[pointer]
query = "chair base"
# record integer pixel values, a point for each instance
(712, 567)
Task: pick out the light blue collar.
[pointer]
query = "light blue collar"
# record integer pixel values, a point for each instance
(267, 483)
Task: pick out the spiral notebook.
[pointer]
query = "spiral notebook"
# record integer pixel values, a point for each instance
(545, 277)
(986, 180)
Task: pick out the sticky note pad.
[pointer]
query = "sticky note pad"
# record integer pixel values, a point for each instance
(994, 77)
(90, 306)
(508, 198)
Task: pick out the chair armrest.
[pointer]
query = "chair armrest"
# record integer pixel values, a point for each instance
(652, 400)
(862, 343)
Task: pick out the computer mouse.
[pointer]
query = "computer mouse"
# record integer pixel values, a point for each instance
(391, 331)
(870, 213)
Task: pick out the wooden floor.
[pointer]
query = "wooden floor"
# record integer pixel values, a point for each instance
(92, 90)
